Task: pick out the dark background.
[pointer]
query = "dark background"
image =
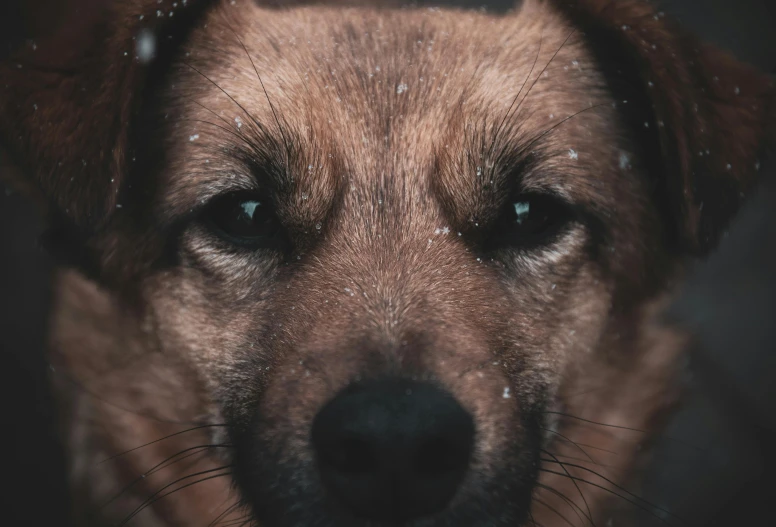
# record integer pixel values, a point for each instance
(715, 464)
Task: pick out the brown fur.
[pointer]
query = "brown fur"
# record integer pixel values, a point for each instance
(387, 194)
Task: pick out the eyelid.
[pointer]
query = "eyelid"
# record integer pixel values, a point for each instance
(241, 195)
(578, 211)
(214, 194)
(204, 183)
(544, 192)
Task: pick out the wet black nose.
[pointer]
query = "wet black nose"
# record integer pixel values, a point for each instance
(393, 449)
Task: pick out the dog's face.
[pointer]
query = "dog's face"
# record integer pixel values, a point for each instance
(387, 260)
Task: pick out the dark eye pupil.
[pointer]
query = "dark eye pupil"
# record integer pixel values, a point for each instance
(244, 220)
(527, 221)
(522, 211)
(530, 216)
(249, 208)
(244, 217)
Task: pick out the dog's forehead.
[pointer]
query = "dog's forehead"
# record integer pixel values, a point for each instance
(385, 90)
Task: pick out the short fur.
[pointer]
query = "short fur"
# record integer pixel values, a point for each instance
(388, 140)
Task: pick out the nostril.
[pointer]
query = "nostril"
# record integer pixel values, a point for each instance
(349, 455)
(440, 455)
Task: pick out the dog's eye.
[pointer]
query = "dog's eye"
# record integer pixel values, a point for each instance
(529, 220)
(246, 220)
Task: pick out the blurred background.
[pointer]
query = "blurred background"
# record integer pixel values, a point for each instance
(716, 463)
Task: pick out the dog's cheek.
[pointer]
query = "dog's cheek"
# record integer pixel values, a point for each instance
(212, 323)
(560, 301)
(122, 392)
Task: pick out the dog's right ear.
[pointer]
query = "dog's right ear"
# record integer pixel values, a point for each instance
(707, 116)
(67, 103)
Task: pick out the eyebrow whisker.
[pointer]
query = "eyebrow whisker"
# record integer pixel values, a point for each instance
(266, 94)
(506, 115)
(247, 113)
(546, 132)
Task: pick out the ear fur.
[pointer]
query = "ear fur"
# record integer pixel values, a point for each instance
(709, 116)
(67, 103)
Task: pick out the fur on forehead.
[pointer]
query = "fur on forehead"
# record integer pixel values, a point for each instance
(431, 86)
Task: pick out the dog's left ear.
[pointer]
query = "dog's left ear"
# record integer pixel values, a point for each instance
(67, 103)
(707, 115)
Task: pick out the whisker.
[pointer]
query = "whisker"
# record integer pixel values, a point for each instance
(142, 476)
(587, 506)
(538, 77)
(553, 509)
(247, 113)
(618, 427)
(162, 465)
(625, 498)
(156, 496)
(596, 423)
(556, 125)
(602, 465)
(197, 455)
(533, 520)
(200, 427)
(517, 108)
(251, 146)
(506, 115)
(618, 487)
(271, 106)
(243, 520)
(227, 130)
(593, 447)
(574, 506)
(218, 519)
(584, 452)
(226, 122)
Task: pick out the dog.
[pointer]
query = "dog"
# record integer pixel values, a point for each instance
(347, 265)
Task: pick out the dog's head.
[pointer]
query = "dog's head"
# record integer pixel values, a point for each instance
(391, 260)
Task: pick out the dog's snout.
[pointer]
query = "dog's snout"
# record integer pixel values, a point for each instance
(393, 449)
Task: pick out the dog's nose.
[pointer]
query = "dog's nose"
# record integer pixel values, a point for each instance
(393, 449)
